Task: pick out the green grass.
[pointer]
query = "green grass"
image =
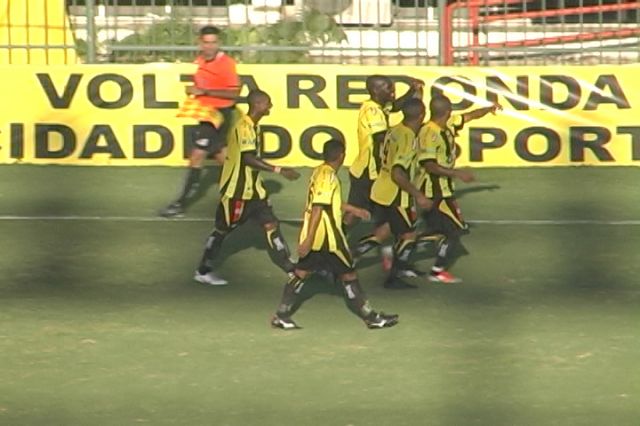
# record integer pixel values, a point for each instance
(100, 322)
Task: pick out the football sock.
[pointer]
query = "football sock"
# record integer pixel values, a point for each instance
(356, 299)
(441, 259)
(426, 238)
(291, 299)
(278, 249)
(448, 252)
(191, 185)
(211, 250)
(402, 251)
(366, 244)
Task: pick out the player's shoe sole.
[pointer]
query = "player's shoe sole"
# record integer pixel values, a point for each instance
(410, 273)
(444, 278)
(172, 211)
(382, 320)
(284, 323)
(210, 279)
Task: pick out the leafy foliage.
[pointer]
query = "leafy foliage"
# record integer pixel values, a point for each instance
(292, 39)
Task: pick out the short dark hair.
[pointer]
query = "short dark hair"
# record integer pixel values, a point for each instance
(332, 149)
(438, 105)
(256, 94)
(413, 108)
(208, 30)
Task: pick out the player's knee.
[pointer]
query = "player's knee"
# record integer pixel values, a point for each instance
(408, 236)
(196, 157)
(382, 232)
(270, 226)
(349, 276)
(300, 273)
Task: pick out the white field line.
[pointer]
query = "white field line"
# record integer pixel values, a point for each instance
(528, 222)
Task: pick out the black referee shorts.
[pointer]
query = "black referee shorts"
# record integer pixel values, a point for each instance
(211, 139)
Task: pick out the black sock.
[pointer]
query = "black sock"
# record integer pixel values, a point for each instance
(291, 299)
(427, 238)
(450, 249)
(278, 249)
(191, 185)
(402, 251)
(211, 250)
(366, 244)
(356, 299)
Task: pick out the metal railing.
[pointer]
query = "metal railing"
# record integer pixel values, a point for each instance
(482, 32)
(389, 32)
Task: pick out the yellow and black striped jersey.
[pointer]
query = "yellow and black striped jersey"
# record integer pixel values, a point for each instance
(324, 190)
(438, 144)
(373, 118)
(399, 149)
(238, 180)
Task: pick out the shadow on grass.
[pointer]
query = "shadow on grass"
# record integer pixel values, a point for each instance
(210, 178)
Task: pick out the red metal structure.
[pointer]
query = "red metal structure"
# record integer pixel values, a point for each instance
(477, 22)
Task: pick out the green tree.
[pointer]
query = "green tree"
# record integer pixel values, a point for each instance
(293, 38)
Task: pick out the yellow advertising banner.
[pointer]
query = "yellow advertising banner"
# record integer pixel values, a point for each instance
(126, 114)
(27, 26)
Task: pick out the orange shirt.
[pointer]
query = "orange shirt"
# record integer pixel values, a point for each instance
(218, 73)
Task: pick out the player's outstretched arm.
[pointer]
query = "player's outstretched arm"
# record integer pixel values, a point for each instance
(356, 211)
(254, 162)
(433, 167)
(481, 112)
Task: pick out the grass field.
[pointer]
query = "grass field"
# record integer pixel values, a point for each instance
(101, 324)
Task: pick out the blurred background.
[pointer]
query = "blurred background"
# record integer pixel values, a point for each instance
(387, 32)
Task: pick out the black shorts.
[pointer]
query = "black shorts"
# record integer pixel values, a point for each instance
(211, 139)
(233, 212)
(359, 191)
(401, 219)
(445, 218)
(326, 261)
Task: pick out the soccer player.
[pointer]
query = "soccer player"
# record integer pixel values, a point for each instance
(393, 192)
(243, 195)
(323, 246)
(373, 123)
(214, 93)
(437, 157)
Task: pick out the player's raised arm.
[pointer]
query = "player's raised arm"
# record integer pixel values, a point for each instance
(481, 112)
(415, 91)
